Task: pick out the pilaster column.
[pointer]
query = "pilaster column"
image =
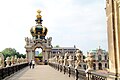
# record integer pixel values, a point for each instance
(46, 55)
(113, 24)
(33, 54)
(96, 66)
(118, 53)
(43, 54)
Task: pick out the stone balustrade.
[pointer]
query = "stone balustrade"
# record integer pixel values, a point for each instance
(66, 66)
(11, 65)
(80, 74)
(7, 71)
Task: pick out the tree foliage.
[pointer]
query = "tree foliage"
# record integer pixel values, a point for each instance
(11, 52)
(40, 54)
(57, 46)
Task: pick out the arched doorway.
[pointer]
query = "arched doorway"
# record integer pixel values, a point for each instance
(100, 66)
(38, 56)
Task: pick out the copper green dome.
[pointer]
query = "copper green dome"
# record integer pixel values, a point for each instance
(39, 30)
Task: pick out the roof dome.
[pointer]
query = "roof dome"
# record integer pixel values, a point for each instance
(39, 30)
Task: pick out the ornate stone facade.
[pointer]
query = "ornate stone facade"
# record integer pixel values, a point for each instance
(45, 45)
(100, 59)
(56, 51)
(38, 40)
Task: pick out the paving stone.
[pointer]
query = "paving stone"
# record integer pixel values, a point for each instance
(40, 72)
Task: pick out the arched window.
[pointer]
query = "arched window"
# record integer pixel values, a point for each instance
(63, 57)
(94, 66)
(84, 66)
(105, 57)
(100, 66)
(80, 65)
(99, 57)
(105, 65)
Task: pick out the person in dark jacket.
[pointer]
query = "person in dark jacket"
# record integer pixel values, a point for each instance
(30, 63)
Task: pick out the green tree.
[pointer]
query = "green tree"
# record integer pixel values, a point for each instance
(11, 52)
(57, 46)
(40, 55)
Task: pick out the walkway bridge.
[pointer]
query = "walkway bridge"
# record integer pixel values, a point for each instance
(49, 72)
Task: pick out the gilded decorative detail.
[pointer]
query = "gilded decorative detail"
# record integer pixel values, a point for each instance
(43, 30)
(38, 14)
(39, 30)
(34, 29)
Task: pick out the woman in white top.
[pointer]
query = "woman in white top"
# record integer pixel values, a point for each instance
(33, 63)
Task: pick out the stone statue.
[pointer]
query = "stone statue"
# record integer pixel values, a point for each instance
(89, 61)
(26, 60)
(7, 61)
(61, 61)
(18, 60)
(30, 40)
(49, 40)
(15, 59)
(70, 61)
(27, 40)
(54, 59)
(78, 59)
(65, 59)
(21, 60)
(12, 60)
(1, 60)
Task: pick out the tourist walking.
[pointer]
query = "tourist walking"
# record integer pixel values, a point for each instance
(33, 64)
(30, 63)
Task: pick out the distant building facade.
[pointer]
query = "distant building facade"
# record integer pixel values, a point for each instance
(56, 51)
(100, 59)
(60, 51)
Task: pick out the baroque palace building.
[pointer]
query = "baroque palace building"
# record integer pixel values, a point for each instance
(56, 51)
(100, 57)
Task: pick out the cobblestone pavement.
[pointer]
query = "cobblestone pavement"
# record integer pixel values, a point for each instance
(40, 72)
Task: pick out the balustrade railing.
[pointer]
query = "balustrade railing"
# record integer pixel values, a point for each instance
(80, 74)
(7, 71)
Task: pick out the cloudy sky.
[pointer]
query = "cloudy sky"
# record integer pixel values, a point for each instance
(69, 22)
